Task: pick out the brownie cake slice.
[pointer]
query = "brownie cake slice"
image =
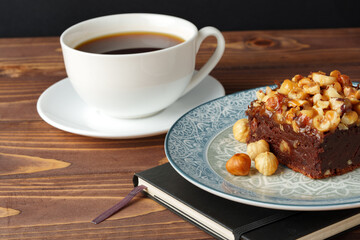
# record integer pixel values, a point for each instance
(311, 123)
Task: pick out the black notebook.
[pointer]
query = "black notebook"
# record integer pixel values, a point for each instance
(225, 219)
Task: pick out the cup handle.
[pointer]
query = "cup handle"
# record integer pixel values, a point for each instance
(213, 60)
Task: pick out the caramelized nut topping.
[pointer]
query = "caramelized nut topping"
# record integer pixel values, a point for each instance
(319, 102)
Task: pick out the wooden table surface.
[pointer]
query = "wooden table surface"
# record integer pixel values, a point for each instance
(53, 183)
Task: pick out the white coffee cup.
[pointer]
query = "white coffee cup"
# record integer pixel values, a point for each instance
(142, 84)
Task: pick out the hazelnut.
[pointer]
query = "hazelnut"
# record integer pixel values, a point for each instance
(334, 119)
(241, 130)
(297, 78)
(353, 100)
(284, 147)
(269, 91)
(357, 108)
(323, 80)
(317, 97)
(331, 92)
(273, 103)
(349, 118)
(239, 164)
(260, 95)
(297, 94)
(257, 104)
(336, 104)
(322, 104)
(337, 86)
(309, 86)
(255, 148)
(321, 123)
(286, 87)
(344, 80)
(357, 94)
(296, 143)
(266, 163)
(349, 91)
(295, 126)
(335, 73)
(290, 115)
(340, 104)
(309, 112)
(305, 81)
(312, 89)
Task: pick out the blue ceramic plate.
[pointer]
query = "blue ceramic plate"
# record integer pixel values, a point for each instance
(200, 142)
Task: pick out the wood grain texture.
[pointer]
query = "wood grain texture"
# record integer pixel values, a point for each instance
(8, 212)
(53, 183)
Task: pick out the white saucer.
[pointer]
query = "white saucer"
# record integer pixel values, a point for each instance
(61, 107)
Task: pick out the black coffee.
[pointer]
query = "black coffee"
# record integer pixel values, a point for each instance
(129, 43)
